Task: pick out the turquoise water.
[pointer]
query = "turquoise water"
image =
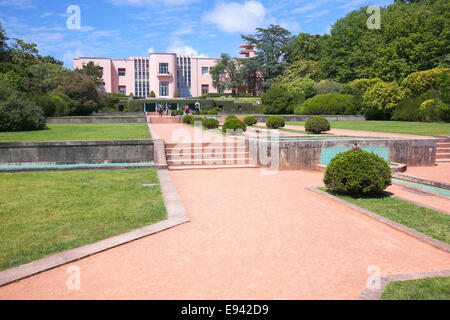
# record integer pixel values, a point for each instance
(297, 138)
(424, 187)
(327, 154)
(73, 166)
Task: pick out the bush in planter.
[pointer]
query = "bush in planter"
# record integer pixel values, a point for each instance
(210, 123)
(188, 119)
(250, 120)
(317, 125)
(275, 122)
(233, 124)
(357, 172)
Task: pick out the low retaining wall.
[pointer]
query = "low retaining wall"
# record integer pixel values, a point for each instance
(130, 113)
(306, 154)
(302, 118)
(98, 119)
(76, 152)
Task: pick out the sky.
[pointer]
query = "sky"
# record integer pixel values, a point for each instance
(134, 28)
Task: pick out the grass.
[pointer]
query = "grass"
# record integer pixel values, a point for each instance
(427, 221)
(42, 213)
(404, 127)
(423, 289)
(66, 132)
(242, 99)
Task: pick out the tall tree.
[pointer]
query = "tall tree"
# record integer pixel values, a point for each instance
(92, 71)
(272, 47)
(251, 75)
(225, 74)
(305, 47)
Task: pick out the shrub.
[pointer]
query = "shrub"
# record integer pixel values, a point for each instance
(422, 81)
(17, 113)
(301, 89)
(230, 117)
(327, 86)
(177, 113)
(188, 119)
(357, 172)
(250, 120)
(278, 100)
(381, 99)
(210, 123)
(363, 84)
(152, 94)
(408, 109)
(213, 111)
(432, 110)
(328, 104)
(233, 124)
(300, 109)
(275, 122)
(317, 125)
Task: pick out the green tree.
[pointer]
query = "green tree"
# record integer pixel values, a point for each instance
(380, 100)
(92, 71)
(305, 47)
(250, 70)
(225, 74)
(278, 100)
(272, 47)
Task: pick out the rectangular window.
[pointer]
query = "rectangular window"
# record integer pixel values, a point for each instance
(100, 69)
(204, 70)
(163, 68)
(205, 88)
(121, 72)
(123, 89)
(164, 89)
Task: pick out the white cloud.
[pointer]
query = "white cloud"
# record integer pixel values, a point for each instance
(179, 47)
(150, 2)
(308, 7)
(150, 50)
(236, 17)
(18, 4)
(69, 55)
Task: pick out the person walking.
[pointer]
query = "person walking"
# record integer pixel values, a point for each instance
(186, 109)
(160, 110)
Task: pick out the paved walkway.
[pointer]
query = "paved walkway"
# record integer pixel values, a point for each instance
(250, 237)
(440, 172)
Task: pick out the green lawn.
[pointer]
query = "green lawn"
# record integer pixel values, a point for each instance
(95, 131)
(427, 221)
(416, 128)
(423, 289)
(42, 213)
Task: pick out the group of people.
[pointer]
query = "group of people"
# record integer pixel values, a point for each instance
(161, 109)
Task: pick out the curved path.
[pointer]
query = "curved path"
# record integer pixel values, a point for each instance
(251, 236)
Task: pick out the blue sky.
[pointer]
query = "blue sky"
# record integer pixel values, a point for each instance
(125, 28)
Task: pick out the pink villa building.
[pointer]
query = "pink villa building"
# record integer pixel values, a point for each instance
(162, 73)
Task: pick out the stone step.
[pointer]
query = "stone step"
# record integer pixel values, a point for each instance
(163, 120)
(205, 150)
(232, 166)
(224, 145)
(443, 150)
(220, 155)
(443, 160)
(443, 156)
(443, 140)
(203, 162)
(443, 145)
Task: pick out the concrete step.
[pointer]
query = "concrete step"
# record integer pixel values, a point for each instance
(224, 145)
(221, 155)
(443, 160)
(163, 120)
(443, 150)
(233, 166)
(443, 145)
(209, 162)
(443, 140)
(443, 156)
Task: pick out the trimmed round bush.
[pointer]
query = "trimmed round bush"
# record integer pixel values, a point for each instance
(233, 124)
(357, 172)
(317, 125)
(327, 104)
(230, 117)
(275, 122)
(210, 123)
(250, 120)
(188, 119)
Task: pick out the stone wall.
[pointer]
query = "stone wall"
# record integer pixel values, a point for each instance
(306, 154)
(76, 152)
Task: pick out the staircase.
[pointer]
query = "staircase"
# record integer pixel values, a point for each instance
(183, 156)
(153, 117)
(443, 149)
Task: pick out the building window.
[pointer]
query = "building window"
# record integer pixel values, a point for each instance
(204, 70)
(123, 89)
(205, 88)
(164, 89)
(100, 69)
(121, 72)
(163, 68)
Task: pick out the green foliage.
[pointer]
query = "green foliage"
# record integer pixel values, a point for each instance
(152, 94)
(250, 70)
(301, 89)
(327, 104)
(275, 122)
(250, 120)
(188, 119)
(434, 111)
(305, 47)
(317, 125)
(408, 109)
(225, 74)
(92, 71)
(300, 69)
(381, 99)
(357, 172)
(364, 84)
(328, 86)
(422, 81)
(210, 123)
(278, 100)
(177, 113)
(233, 126)
(232, 116)
(18, 113)
(52, 105)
